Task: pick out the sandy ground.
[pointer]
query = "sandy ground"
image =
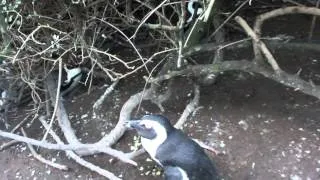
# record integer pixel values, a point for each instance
(265, 131)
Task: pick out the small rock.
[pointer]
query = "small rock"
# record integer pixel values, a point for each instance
(295, 177)
(84, 116)
(243, 124)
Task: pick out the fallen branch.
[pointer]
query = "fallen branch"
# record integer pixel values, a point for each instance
(8, 144)
(161, 27)
(40, 158)
(45, 144)
(259, 43)
(61, 113)
(313, 23)
(189, 108)
(98, 103)
(159, 98)
(21, 123)
(78, 159)
(284, 78)
(204, 146)
(283, 11)
(181, 33)
(273, 42)
(280, 12)
(125, 115)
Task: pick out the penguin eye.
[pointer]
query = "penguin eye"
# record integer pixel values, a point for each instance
(147, 126)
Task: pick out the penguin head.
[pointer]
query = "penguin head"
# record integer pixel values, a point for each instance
(151, 126)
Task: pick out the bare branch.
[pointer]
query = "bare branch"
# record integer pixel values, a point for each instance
(78, 159)
(8, 144)
(280, 12)
(243, 65)
(45, 144)
(125, 114)
(98, 103)
(189, 108)
(40, 158)
(57, 99)
(259, 43)
(61, 114)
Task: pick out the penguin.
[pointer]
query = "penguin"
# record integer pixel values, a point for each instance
(180, 157)
(195, 10)
(74, 75)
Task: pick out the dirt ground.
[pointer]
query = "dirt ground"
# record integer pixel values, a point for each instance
(263, 129)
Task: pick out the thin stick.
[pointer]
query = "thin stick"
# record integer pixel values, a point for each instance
(206, 14)
(40, 158)
(280, 12)
(8, 144)
(204, 146)
(147, 17)
(262, 46)
(189, 108)
(20, 123)
(45, 144)
(313, 23)
(98, 103)
(56, 100)
(77, 158)
(181, 33)
(61, 114)
(228, 19)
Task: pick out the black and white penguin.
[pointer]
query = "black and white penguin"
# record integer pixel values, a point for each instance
(180, 156)
(195, 10)
(74, 75)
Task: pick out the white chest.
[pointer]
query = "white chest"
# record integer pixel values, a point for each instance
(151, 146)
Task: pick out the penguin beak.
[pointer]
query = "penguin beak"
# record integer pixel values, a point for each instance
(134, 124)
(142, 130)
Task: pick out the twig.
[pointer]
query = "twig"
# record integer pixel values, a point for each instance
(313, 23)
(272, 42)
(65, 125)
(228, 19)
(128, 39)
(21, 123)
(112, 56)
(8, 144)
(151, 7)
(258, 42)
(91, 166)
(244, 65)
(189, 108)
(147, 17)
(98, 103)
(56, 100)
(219, 38)
(45, 144)
(283, 11)
(181, 33)
(161, 27)
(125, 114)
(147, 61)
(30, 36)
(207, 13)
(61, 114)
(293, 2)
(78, 159)
(136, 153)
(280, 12)
(204, 146)
(157, 99)
(40, 158)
